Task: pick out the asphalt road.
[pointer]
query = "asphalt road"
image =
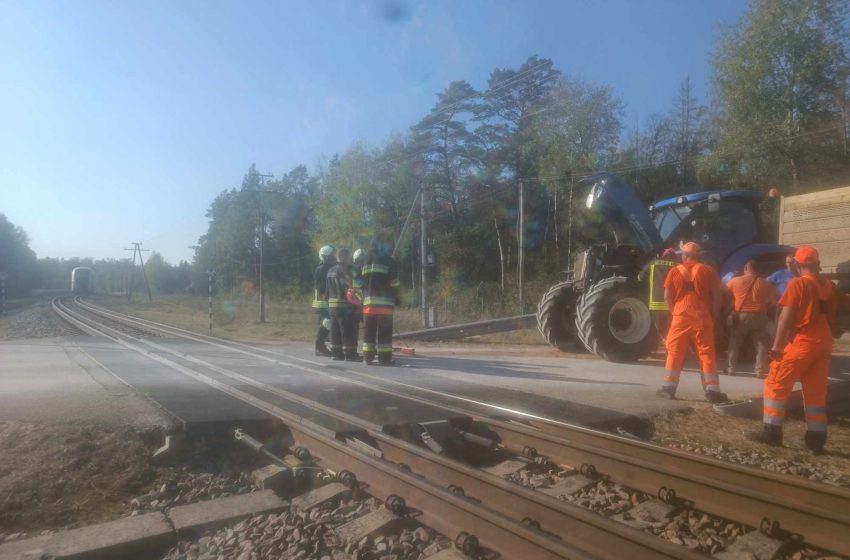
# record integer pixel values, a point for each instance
(91, 379)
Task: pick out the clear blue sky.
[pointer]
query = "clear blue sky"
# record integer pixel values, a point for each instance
(121, 120)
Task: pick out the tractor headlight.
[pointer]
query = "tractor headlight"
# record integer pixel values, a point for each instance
(590, 196)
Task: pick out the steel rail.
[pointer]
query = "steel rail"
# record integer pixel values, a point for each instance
(437, 506)
(596, 534)
(819, 512)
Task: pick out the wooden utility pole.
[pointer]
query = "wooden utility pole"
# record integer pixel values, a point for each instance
(521, 243)
(423, 258)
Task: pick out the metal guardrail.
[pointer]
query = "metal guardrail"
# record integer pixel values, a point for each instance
(477, 328)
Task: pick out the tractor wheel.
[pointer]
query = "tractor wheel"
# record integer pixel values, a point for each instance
(613, 320)
(556, 317)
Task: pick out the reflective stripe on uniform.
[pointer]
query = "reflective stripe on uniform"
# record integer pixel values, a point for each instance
(368, 347)
(385, 348)
(772, 420)
(774, 404)
(710, 380)
(816, 416)
(319, 304)
(395, 283)
(816, 426)
(379, 300)
(671, 379)
(378, 311)
(375, 268)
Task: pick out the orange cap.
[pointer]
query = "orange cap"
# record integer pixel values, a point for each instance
(807, 254)
(691, 248)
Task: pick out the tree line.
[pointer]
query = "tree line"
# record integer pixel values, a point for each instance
(777, 116)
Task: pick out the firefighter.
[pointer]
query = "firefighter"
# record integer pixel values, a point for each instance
(320, 298)
(359, 258)
(752, 297)
(341, 309)
(692, 292)
(380, 296)
(801, 351)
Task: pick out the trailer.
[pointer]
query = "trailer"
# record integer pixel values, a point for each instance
(821, 220)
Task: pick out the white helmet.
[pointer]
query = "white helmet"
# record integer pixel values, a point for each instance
(326, 252)
(359, 255)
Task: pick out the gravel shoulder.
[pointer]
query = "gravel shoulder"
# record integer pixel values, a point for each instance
(701, 430)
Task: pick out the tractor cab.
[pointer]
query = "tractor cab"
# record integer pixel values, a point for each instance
(721, 222)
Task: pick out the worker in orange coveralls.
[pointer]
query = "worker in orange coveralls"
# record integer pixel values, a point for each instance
(692, 292)
(802, 349)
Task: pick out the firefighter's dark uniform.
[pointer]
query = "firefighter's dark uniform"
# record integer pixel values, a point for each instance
(380, 282)
(343, 341)
(320, 303)
(357, 284)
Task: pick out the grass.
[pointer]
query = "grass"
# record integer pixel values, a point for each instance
(287, 320)
(238, 318)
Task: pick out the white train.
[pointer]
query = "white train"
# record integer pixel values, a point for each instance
(82, 280)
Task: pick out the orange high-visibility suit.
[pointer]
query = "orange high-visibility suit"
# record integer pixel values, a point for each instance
(806, 357)
(692, 284)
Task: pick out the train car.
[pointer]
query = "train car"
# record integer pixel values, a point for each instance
(82, 280)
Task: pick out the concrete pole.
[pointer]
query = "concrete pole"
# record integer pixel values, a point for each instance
(521, 243)
(423, 258)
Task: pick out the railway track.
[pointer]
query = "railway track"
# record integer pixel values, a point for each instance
(775, 503)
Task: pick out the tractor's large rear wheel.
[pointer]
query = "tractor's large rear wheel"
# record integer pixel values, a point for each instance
(613, 320)
(556, 317)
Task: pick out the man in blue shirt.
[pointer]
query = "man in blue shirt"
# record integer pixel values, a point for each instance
(780, 278)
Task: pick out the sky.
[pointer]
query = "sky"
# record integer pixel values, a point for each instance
(121, 120)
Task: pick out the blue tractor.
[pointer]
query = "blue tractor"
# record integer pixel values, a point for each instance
(604, 306)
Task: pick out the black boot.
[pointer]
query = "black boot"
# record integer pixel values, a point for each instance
(815, 441)
(321, 338)
(716, 397)
(353, 357)
(369, 358)
(666, 393)
(769, 435)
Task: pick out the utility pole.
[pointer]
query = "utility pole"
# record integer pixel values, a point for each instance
(210, 276)
(521, 243)
(131, 268)
(262, 181)
(423, 259)
(137, 248)
(3, 277)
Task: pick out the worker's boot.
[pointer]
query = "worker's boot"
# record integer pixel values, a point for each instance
(385, 360)
(337, 354)
(769, 435)
(815, 441)
(353, 357)
(716, 397)
(666, 393)
(321, 337)
(369, 358)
